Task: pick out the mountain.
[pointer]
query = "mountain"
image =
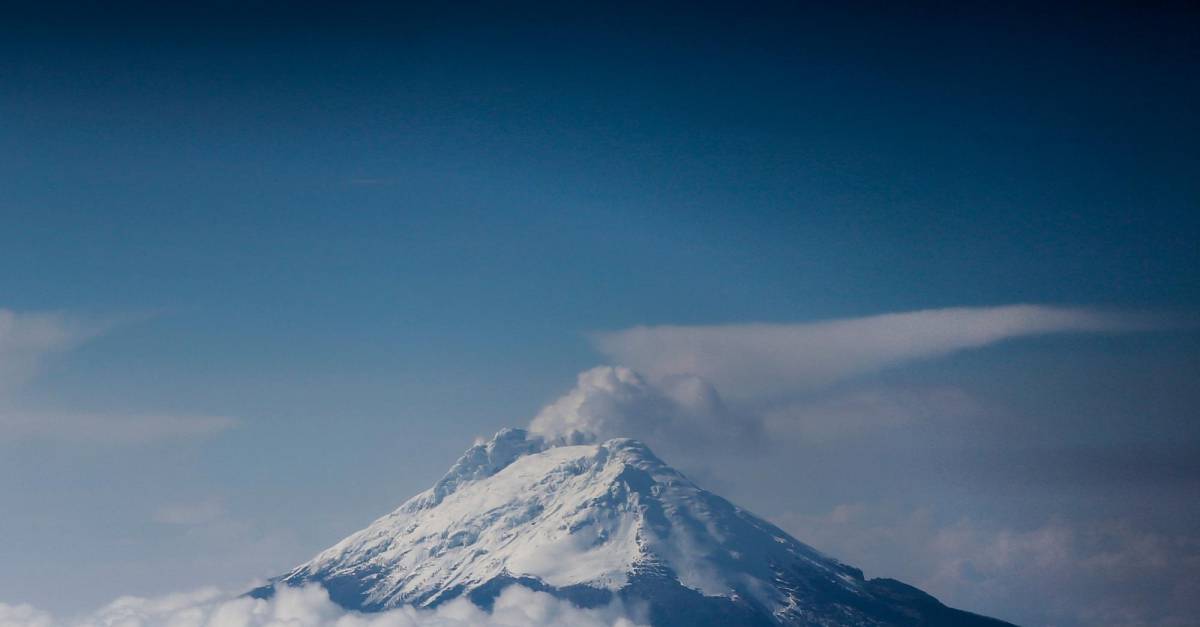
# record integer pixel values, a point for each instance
(595, 522)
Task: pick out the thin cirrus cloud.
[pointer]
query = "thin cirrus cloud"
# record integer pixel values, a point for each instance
(755, 360)
(27, 341)
(106, 428)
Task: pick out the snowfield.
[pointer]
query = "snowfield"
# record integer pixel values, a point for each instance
(597, 523)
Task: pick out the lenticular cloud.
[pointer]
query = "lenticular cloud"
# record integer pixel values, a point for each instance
(310, 606)
(756, 361)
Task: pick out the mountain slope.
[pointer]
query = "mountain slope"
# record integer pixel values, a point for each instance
(598, 521)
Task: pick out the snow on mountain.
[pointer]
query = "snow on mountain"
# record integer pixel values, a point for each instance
(599, 522)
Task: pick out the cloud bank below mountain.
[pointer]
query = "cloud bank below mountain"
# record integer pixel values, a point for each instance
(310, 606)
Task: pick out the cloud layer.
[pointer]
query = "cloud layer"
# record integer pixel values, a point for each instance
(310, 606)
(762, 360)
(1105, 572)
(27, 340)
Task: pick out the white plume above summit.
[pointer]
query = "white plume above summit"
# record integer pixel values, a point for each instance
(614, 401)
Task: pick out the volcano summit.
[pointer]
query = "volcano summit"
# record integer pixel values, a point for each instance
(597, 523)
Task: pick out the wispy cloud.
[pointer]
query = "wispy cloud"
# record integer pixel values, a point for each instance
(106, 428)
(757, 360)
(742, 382)
(27, 341)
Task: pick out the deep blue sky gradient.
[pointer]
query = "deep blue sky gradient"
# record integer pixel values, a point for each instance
(370, 233)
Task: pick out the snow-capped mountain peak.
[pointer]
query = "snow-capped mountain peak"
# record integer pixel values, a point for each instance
(590, 522)
(481, 461)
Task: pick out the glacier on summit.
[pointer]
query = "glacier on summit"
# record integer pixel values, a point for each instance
(597, 523)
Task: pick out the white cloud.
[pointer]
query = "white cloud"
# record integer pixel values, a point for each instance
(23, 615)
(609, 402)
(765, 360)
(27, 340)
(310, 606)
(746, 383)
(1096, 573)
(686, 419)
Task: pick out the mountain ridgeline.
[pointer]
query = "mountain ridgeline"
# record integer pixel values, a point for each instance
(596, 523)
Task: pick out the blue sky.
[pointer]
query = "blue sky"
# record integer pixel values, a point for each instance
(327, 250)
